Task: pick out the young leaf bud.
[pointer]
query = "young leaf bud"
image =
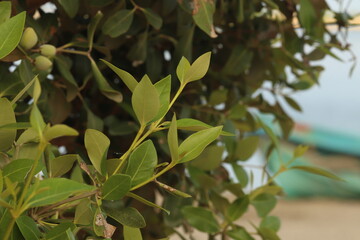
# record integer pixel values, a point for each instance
(47, 50)
(28, 39)
(42, 63)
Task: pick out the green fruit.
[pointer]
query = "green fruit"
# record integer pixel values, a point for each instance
(28, 39)
(47, 50)
(42, 63)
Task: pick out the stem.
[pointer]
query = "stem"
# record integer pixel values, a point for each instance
(74, 52)
(9, 229)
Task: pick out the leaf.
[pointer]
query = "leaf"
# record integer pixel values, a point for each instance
(270, 133)
(116, 187)
(7, 116)
(61, 165)
(239, 233)
(83, 213)
(182, 69)
(36, 120)
(132, 233)
(93, 121)
(307, 15)
(64, 66)
(271, 222)
(172, 138)
(99, 223)
(59, 130)
(53, 190)
(317, 171)
(142, 163)
(71, 7)
(28, 228)
(18, 169)
(163, 88)
(240, 174)
(5, 11)
(196, 125)
(145, 101)
(237, 209)
(246, 147)
(126, 216)
(153, 18)
(203, 16)
(11, 32)
(119, 23)
(92, 27)
(293, 103)
(300, 150)
(209, 159)
(104, 86)
(198, 69)
(201, 219)
(264, 203)
(97, 145)
(126, 77)
(192, 146)
(59, 232)
(4, 204)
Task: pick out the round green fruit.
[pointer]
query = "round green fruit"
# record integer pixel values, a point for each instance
(42, 63)
(28, 39)
(48, 50)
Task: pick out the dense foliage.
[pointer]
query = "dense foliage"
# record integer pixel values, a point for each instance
(123, 115)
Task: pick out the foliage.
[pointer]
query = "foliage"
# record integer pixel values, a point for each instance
(89, 151)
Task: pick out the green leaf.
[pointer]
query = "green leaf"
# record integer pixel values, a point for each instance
(153, 18)
(198, 69)
(1, 181)
(163, 88)
(271, 222)
(17, 169)
(71, 7)
(5, 11)
(64, 68)
(104, 86)
(59, 130)
(246, 147)
(307, 15)
(59, 232)
(126, 77)
(28, 228)
(192, 146)
(268, 234)
(145, 101)
(99, 222)
(119, 23)
(196, 125)
(264, 203)
(269, 132)
(209, 159)
(92, 27)
(300, 150)
(237, 209)
(61, 165)
(172, 138)
(7, 116)
(36, 120)
(126, 216)
(11, 32)
(182, 69)
(83, 213)
(97, 145)
(53, 190)
(239, 233)
(116, 187)
(203, 16)
(201, 219)
(142, 163)
(93, 121)
(293, 103)
(146, 202)
(317, 171)
(4, 204)
(18, 125)
(240, 174)
(132, 233)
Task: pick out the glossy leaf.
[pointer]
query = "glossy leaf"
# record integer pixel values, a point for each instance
(18, 169)
(118, 23)
(59, 231)
(201, 219)
(11, 32)
(126, 77)
(192, 146)
(198, 68)
(131, 233)
(172, 138)
(247, 147)
(61, 165)
(53, 190)
(196, 125)
(145, 109)
(71, 7)
(182, 69)
(104, 86)
(153, 18)
(163, 88)
(97, 145)
(92, 27)
(83, 213)
(142, 163)
(317, 171)
(5, 11)
(116, 187)
(203, 16)
(59, 130)
(129, 216)
(28, 228)
(7, 136)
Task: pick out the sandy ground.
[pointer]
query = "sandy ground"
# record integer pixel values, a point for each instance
(311, 219)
